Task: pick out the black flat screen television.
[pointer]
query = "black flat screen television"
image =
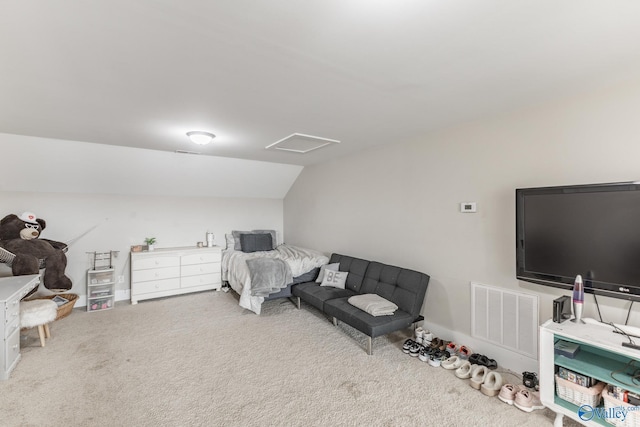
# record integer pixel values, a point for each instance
(591, 230)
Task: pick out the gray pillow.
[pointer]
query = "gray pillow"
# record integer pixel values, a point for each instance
(236, 237)
(255, 242)
(274, 240)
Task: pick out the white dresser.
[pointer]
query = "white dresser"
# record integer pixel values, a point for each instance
(174, 271)
(12, 290)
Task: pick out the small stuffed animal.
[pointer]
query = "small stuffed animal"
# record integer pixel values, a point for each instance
(19, 235)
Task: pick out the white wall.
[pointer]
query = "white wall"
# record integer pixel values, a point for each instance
(120, 195)
(400, 204)
(115, 222)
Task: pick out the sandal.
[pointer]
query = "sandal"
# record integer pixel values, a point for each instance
(492, 364)
(474, 358)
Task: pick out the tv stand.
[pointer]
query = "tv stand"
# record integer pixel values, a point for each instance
(602, 352)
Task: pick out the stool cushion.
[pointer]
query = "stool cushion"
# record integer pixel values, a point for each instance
(37, 312)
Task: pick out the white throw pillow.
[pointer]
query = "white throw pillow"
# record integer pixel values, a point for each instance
(333, 267)
(231, 243)
(336, 279)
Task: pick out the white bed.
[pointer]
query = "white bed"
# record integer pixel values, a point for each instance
(236, 271)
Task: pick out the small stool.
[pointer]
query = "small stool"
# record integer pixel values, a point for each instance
(38, 312)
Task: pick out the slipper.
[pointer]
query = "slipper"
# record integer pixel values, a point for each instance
(478, 376)
(465, 370)
(453, 362)
(492, 384)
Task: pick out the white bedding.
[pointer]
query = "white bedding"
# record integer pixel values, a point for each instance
(236, 272)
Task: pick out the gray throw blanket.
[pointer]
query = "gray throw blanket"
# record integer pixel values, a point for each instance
(268, 275)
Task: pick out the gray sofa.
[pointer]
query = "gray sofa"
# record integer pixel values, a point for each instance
(406, 288)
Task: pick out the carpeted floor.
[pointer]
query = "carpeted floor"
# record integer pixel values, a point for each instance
(202, 360)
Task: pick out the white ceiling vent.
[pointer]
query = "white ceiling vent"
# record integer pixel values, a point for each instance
(300, 143)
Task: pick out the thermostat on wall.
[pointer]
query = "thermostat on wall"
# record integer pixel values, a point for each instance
(468, 207)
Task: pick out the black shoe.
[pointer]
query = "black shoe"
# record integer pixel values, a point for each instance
(407, 345)
(530, 379)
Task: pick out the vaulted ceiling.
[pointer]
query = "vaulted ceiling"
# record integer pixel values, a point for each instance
(365, 72)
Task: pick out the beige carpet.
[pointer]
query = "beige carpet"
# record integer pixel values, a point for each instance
(202, 360)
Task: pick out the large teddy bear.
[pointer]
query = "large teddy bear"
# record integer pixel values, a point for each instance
(19, 235)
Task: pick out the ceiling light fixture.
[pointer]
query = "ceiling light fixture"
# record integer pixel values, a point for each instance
(200, 137)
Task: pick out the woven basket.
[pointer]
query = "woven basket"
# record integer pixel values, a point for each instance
(65, 309)
(577, 394)
(615, 406)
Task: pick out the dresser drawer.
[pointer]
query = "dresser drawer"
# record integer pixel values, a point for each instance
(11, 327)
(12, 309)
(202, 258)
(145, 263)
(202, 280)
(155, 274)
(155, 286)
(12, 350)
(194, 270)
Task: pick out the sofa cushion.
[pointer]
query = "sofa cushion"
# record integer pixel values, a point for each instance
(316, 295)
(363, 321)
(406, 288)
(354, 266)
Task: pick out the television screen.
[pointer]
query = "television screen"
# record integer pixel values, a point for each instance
(591, 230)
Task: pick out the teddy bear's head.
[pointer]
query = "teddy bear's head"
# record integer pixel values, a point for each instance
(25, 226)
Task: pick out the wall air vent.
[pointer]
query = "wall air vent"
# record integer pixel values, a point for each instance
(301, 143)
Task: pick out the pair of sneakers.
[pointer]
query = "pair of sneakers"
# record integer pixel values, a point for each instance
(412, 348)
(461, 351)
(520, 397)
(423, 336)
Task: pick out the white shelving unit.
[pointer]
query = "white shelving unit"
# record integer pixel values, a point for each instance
(101, 282)
(601, 354)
